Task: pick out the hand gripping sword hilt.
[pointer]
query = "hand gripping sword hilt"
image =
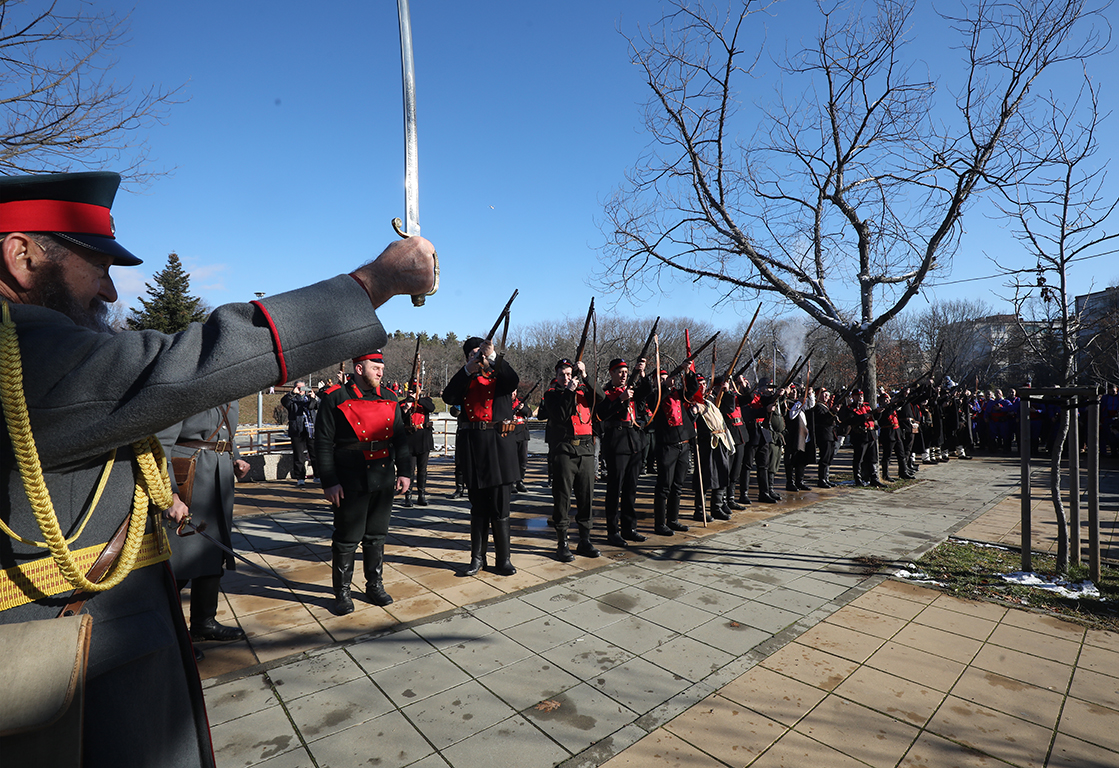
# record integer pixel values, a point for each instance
(418, 301)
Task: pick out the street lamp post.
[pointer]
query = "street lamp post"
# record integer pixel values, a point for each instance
(260, 394)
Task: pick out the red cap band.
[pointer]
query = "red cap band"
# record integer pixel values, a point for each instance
(55, 216)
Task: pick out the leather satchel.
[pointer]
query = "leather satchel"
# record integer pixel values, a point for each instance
(43, 666)
(184, 467)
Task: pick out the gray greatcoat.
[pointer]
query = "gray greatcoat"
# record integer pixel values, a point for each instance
(212, 493)
(89, 393)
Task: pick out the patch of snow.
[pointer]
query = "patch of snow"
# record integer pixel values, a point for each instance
(917, 576)
(1079, 591)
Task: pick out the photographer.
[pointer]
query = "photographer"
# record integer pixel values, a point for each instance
(302, 406)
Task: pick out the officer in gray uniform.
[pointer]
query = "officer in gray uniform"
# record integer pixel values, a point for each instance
(205, 442)
(93, 398)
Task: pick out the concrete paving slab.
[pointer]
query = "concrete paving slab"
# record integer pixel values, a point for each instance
(579, 717)
(808, 554)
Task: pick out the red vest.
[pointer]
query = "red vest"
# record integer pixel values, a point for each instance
(581, 419)
(372, 420)
(613, 393)
(478, 403)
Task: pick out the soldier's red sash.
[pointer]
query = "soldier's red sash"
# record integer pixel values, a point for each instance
(372, 421)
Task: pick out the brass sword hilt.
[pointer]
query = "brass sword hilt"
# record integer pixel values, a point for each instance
(418, 300)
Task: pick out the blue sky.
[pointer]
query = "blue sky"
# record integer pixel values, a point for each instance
(285, 161)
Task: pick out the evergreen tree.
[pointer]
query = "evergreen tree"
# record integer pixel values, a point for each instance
(171, 308)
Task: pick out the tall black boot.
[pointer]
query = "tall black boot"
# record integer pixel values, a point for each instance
(373, 561)
(420, 486)
(673, 514)
(342, 571)
(822, 476)
(798, 478)
(776, 496)
(731, 503)
(501, 546)
(204, 610)
(660, 519)
(585, 548)
(408, 498)
(563, 550)
(718, 505)
(479, 537)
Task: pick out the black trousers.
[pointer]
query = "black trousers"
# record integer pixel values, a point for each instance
(419, 473)
(302, 449)
(622, 471)
(672, 470)
(864, 457)
(748, 451)
(363, 517)
(573, 475)
(892, 445)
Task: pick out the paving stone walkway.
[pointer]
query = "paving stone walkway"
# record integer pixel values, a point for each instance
(770, 641)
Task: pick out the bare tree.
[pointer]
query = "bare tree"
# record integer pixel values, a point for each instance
(857, 177)
(1060, 209)
(62, 106)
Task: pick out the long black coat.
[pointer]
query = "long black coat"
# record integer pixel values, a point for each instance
(487, 458)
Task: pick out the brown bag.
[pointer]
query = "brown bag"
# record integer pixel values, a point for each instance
(43, 668)
(184, 467)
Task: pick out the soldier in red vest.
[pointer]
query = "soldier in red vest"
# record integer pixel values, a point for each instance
(570, 403)
(674, 426)
(859, 416)
(483, 389)
(416, 410)
(623, 446)
(359, 436)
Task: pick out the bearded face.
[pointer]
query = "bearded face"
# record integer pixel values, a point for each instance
(52, 292)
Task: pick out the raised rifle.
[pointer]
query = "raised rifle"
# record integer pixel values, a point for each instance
(502, 316)
(750, 362)
(684, 363)
(414, 383)
(734, 361)
(524, 398)
(714, 347)
(800, 363)
(586, 330)
(813, 379)
(649, 340)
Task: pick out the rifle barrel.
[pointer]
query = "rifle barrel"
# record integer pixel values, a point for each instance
(504, 312)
